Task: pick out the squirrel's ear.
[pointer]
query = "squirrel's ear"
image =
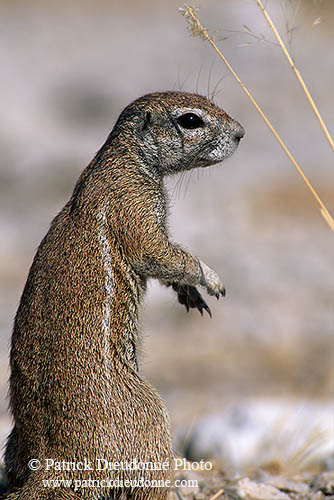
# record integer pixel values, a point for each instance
(147, 119)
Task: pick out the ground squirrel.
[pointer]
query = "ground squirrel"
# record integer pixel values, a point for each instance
(75, 392)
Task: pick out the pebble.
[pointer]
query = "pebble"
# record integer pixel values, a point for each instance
(289, 485)
(250, 490)
(325, 483)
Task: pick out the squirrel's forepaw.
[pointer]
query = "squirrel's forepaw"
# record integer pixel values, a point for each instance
(211, 281)
(190, 297)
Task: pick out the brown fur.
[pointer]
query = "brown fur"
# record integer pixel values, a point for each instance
(75, 391)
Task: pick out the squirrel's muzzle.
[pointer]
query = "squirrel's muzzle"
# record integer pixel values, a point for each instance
(238, 133)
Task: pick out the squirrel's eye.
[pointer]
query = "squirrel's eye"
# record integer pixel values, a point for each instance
(190, 120)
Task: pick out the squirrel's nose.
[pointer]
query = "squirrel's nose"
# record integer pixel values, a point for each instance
(238, 133)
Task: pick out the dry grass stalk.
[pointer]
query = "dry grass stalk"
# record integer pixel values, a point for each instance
(198, 30)
(306, 451)
(217, 495)
(178, 494)
(296, 71)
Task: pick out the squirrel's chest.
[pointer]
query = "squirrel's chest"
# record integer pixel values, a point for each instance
(160, 210)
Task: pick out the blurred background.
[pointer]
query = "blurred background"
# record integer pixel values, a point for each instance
(254, 383)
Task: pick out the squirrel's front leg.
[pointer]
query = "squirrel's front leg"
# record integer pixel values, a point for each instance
(191, 298)
(154, 256)
(175, 267)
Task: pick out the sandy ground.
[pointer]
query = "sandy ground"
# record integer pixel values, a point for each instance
(69, 71)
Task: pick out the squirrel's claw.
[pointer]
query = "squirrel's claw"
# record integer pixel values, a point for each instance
(190, 297)
(207, 308)
(221, 292)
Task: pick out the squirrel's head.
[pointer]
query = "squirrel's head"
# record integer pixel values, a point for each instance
(178, 131)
